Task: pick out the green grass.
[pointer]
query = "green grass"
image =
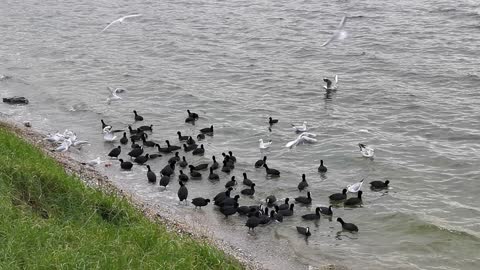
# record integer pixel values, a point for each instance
(50, 220)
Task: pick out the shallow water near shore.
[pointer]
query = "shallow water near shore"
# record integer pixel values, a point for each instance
(409, 84)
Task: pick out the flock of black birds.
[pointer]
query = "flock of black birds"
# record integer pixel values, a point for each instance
(264, 214)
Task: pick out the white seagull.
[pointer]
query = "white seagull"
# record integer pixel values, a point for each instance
(301, 128)
(355, 187)
(120, 20)
(64, 146)
(331, 85)
(264, 145)
(93, 162)
(302, 138)
(114, 94)
(339, 33)
(108, 134)
(366, 151)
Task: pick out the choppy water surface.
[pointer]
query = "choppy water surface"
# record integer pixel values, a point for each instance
(408, 74)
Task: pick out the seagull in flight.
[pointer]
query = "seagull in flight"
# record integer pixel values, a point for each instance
(120, 20)
(339, 33)
(114, 94)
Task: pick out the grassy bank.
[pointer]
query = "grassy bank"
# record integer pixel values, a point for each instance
(50, 220)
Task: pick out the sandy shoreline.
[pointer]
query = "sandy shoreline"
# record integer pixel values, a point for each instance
(95, 179)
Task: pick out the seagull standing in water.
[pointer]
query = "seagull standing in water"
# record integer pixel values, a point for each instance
(339, 33)
(264, 145)
(355, 187)
(120, 20)
(366, 151)
(108, 134)
(114, 94)
(331, 85)
(301, 128)
(302, 138)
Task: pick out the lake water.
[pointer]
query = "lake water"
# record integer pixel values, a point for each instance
(409, 86)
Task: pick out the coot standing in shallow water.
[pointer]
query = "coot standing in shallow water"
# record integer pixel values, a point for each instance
(377, 185)
(339, 196)
(115, 152)
(152, 178)
(182, 192)
(303, 184)
(260, 162)
(126, 165)
(304, 231)
(199, 202)
(322, 168)
(348, 226)
(137, 117)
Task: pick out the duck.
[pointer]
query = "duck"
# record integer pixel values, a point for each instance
(201, 136)
(182, 192)
(152, 178)
(246, 181)
(249, 191)
(264, 145)
(377, 185)
(260, 162)
(137, 117)
(212, 175)
(172, 148)
(272, 121)
(322, 168)
(304, 231)
(135, 152)
(126, 165)
(180, 137)
(355, 187)
(199, 151)
(115, 152)
(146, 128)
(231, 183)
(271, 172)
(141, 159)
(188, 148)
(348, 226)
(207, 130)
(314, 216)
(326, 210)
(214, 165)
(301, 128)
(303, 199)
(253, 222)
(132, 131)
(339, 196)
(182, 177)
(199, 202)
(124, 139)
(174, 158)
(366, 151)
(183, 163)
(303, 184)
(354, 201)
(285, 205)
(164, 181)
